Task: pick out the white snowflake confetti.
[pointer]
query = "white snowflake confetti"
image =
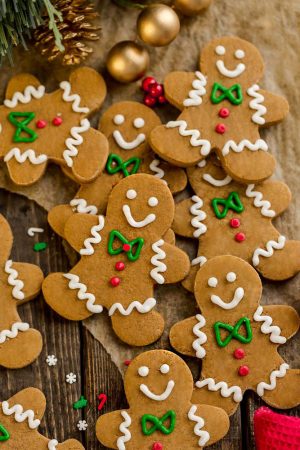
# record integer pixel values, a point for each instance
(82, 425)
(51, 360)
(71, 378)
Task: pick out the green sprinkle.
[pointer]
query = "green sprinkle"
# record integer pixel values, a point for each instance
(40, 246)
(81, 403)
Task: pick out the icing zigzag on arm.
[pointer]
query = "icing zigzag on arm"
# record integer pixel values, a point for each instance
(270, 247)
(14, 331)
(96, 239)
(21, 415)
(199, 216)
(52, 444)
(260, 144)
(82, 207)
(82, 293)
(265, 205)
(203, 435)
(280, 373)
(195, 140)
(257, 104)
(196, 94)
(156, 261)
(75, 141)
(159, 173)
(28, 154)
(268, 328)
(26, 97)
(124, 429)
(72, 98)
(201, 336)
(13, 281)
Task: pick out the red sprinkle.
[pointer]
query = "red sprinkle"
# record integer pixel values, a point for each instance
(120, 266)
(156, 90)
(235, 223)
(243, 371)
(41, 124)
(224, 112)
(57, 121)
(149, 100)
(220, 128)
(240, 237)
(147, 83)
(239, 353)
(126, 247)
(157, 446)
(103, 400)
(127, 362)
(115, 281)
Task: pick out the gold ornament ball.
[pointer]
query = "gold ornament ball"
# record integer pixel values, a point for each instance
(191, 7)
(127, 61)
(158, 25)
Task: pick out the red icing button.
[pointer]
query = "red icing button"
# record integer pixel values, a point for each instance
(240, 237)
(41, 124)
(243, 371)
(157, 446)
(115, 281)
(239, 353)
(220, 128)
(235, 223)
(120, 266)
(224, 112)
(126, 247)
(57, 121)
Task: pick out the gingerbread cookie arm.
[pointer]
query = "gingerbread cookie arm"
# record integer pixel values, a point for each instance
(113, 429)
(70, 444)
(188, 218)
(31, 399)
(177, 87)
(276, 106)
(183, 338)
(285, 321)
(22, 81)
(78, 229)
(31, 276)
(216, 422)
(169, 237)
(282, 390)
(90, 86)
(272, 197)
(27, 168)
(214, 398)
(172, 267)
(58, 217)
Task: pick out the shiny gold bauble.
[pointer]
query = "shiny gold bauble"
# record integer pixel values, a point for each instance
(127, 61)
(158, 25)
(191, 7)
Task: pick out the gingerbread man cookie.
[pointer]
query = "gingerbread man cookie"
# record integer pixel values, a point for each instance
(229, 218)
(237, 339)
(223, 109)
(122, 257)
(39, 128)
(158, 387)
(20, 416)
(127, 126)
(20, 345)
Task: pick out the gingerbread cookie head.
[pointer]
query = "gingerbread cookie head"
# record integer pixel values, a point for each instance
(20, 345)
(38, 128)
(232, 59)
(20, 417)
(138, 205)
(158, 386)
(127, 126)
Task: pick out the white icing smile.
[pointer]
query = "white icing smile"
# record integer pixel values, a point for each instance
(239, 69)
(137, 223)
(128, 145)
(238, 294)
(161, 397)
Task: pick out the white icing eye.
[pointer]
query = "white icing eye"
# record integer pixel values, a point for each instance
(152, 201)
(239, 54)
(143, 371)
(164, 368)
(220, 50)
(119, 119)
(231, 277)
(212, 282)
(131, 194)
(138, 122)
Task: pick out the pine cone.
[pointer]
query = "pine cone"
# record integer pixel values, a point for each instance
(75, 28)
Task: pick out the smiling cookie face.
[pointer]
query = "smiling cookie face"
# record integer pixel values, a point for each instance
(127, 126)
(227, 283)
(233, 59)
(141, 201)
(158, 378)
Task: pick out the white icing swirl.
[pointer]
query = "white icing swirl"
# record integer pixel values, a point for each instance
(158, 397)
(73, 142)
(124, 430)
(21, 415)
(95, 239)
(260, 144)
(14, 331)
(215, 182)
(82, 206)
(196, 94)
(52, 444)
(237, 298)
(72, 98)
(223, 386)
(195, 140)
(30, 92)
(28, 154)
(142, 308)
(268, 328)
(82, 293)
(265, 205)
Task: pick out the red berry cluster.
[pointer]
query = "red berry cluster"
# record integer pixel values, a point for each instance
(154, 92)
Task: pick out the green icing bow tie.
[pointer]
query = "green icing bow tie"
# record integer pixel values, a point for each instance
(158, 423)
(131, 248)
(233, 202)
(116, 164)
(4, 434)
(220, 93)
(233, 332)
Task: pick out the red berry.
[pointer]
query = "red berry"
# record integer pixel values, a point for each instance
(126, 247)
(115, 281)
(157, 446)
(224, 112)
(127, 362)
(239, 353)
(240, 237)
(220, 128)
(149, 101)
(57, 121)
(41, 124)
(156, 90)
(120, 265)
(235, 223)
(162, 100)
(243, 371)
(147, 82)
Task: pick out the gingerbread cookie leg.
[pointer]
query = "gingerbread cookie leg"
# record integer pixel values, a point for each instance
(282, 390)
(276, 106)
(172, 264)
(147, 326)
(283, 316)
(186, 338)
(25, 169)
(112, 429)
(218, 395)
(176, 92)
(211, 416)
